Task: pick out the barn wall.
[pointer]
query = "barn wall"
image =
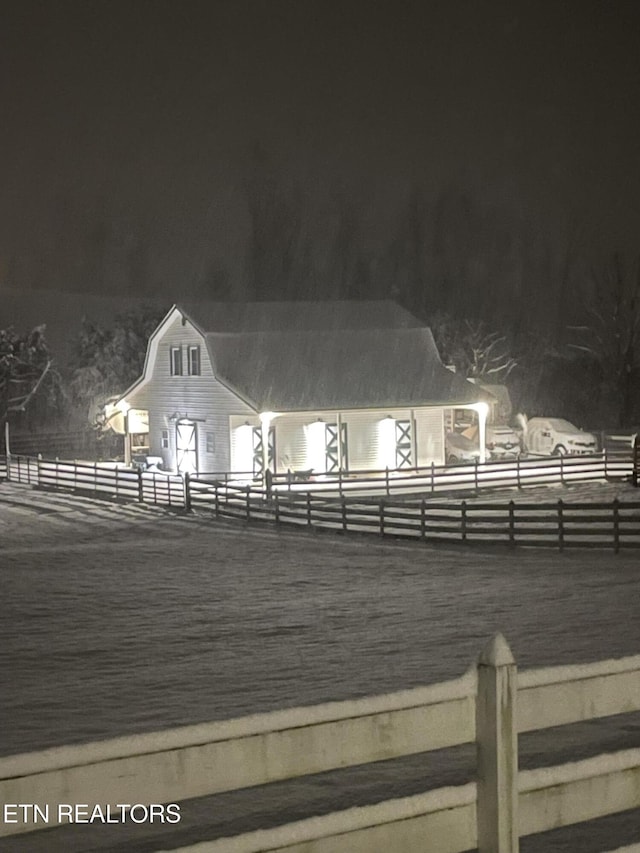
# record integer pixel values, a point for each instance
(199, 398)
(429, 426)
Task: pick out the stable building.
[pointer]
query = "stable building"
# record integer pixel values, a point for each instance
(294, 386)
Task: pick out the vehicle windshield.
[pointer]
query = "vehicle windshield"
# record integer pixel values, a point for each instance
(563, 426)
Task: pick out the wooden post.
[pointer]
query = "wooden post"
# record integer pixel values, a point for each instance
(344, 514)
(217, 500)
(387, 480)
(560, 526)
(433, 477)
(423, 519)
(475, 477)
(340, 481)
(277, 507)
(497, 749)
(616, 525)
(518, 471)
(561, 469)
(309, 508)
(248, 505)
(140, 486)
(512, 524)
(463, 520)
(381, 516)
(187, 491)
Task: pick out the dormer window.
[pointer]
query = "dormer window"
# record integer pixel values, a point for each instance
(175, 356)
(194, 361)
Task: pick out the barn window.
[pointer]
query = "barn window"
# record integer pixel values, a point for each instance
(165, 439)
(194, 361)
(211, 442)
(176, 361)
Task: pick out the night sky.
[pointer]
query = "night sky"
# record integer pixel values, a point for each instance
(131, 132)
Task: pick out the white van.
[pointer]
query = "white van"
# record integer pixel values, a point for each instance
(557, 437)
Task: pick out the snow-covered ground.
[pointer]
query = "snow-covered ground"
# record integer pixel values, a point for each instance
(123, 618)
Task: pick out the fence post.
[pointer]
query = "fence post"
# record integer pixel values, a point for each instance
(381, 516)
(277, 508)
(38, 459)
(248, 503)
(519, 481)
(344, 514)
(616, 525)
(187, 491)
(475, 477)
(95, 479)
(216, 499)
(309, 508)
(140, 486)
(340, 481)
(433, 476)
(604, 453)
(423, 520)
(512, 524)
(386, 477)
(560, 526)
(463, 520)
(561, 469)
(497, 749)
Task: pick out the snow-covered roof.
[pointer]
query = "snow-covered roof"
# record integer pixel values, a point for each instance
(301, 356)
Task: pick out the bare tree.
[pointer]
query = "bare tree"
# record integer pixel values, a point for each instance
(475, 351)
(610, 335)
(25, 370)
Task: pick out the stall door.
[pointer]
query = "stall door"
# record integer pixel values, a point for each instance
(186, 447)
(258, 453)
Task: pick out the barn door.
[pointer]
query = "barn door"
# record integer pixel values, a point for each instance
(404, 442)
(258, 454)
(186, 447)
(334, 454)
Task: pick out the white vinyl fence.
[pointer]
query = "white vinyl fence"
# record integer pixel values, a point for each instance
(489, 705)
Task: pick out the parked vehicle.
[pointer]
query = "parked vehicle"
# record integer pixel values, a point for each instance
(557, 437)
(460, 448)
(503, 442)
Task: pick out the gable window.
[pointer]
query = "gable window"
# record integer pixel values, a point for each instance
(165, 439)
(175, 356)
(211, 443)
(194, 361)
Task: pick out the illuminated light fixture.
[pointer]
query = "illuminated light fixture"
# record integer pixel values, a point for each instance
(123, 406)
(316, 446)
(387, 442)
(267, 417)
(243, 447)
(481, 408)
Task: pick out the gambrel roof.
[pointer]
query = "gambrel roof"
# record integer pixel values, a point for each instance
(302, 356)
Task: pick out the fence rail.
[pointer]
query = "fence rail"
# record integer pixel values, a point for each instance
(490, 812)
(562, 524)
(353, 508)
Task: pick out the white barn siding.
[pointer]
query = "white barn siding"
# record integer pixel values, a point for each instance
(292, 440)
(429, 426)
(199, 398)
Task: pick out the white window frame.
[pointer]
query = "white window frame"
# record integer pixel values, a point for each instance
(193, 360)
(164, 439)
(175, 361)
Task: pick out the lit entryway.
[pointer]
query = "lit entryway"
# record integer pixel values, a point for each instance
(186, 447)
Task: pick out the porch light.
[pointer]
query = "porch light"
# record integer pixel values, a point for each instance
(316, 446)
(387, 442)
